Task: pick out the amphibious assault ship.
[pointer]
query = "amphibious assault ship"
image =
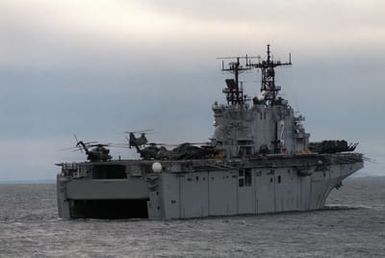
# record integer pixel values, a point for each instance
(259, 160)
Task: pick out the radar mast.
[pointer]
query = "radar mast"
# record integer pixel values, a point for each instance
(234, 90)
(269, 90)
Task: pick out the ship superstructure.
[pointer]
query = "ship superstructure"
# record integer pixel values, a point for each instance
(268, 126)
(259, 161)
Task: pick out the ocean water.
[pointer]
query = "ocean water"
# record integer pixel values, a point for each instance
(353, 225)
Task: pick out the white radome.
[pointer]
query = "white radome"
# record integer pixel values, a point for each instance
(156, 167)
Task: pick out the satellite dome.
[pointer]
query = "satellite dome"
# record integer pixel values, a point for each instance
(156, 167)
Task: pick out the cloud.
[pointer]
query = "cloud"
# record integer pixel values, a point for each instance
(59, 33)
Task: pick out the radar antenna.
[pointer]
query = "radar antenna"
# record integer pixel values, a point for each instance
(268, 87)
(234, 91)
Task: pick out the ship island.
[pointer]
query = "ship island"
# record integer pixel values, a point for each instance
(259, 160)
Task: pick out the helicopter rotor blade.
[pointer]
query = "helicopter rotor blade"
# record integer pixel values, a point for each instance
(100, 145)
(174, 145)
(90, 143)
(77, 143)
(69, 148)
(139, 131)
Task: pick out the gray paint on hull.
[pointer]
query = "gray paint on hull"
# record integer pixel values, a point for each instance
(178, 194)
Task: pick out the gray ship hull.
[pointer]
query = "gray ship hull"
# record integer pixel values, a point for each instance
(201, 188)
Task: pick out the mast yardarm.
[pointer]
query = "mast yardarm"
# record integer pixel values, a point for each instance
(269, 90)
(268, 87)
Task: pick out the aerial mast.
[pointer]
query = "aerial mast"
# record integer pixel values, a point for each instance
(268, 87)
(234, 91)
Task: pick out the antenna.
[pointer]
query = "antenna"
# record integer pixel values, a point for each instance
(234, 93)
(268, 75)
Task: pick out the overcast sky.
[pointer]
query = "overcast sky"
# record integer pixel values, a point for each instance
(99, 67)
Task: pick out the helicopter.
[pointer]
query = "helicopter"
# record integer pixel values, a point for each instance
(99, 152)
(137, 142)
(151, 150)
(94, 151)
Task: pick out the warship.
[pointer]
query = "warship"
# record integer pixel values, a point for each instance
(259, 160)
